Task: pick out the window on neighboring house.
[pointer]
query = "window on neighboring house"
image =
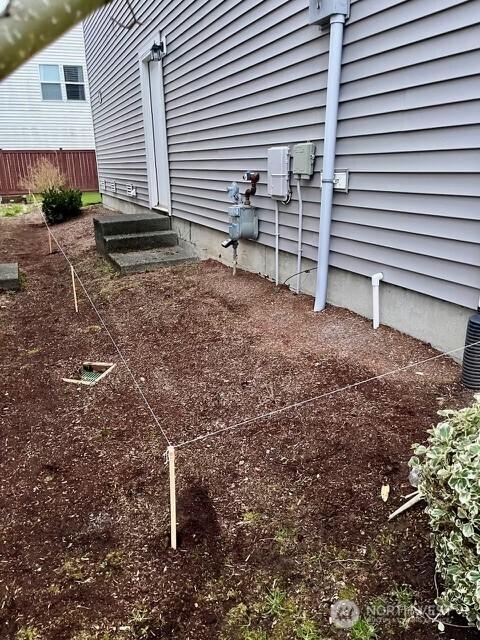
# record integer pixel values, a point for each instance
(74, 83)
(51, 82)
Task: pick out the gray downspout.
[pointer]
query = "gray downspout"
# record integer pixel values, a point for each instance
(337, 22)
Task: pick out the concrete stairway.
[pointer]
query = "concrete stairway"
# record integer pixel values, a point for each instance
(138, 242)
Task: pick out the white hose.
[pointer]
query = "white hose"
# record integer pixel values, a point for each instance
(300, 229)
(277, 240)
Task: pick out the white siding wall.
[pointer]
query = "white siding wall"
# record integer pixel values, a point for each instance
(241, 76)
(27, 122)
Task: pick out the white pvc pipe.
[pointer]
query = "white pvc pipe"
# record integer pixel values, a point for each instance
(277, 240)
(300, 230)
(376, 298)
(337, 22)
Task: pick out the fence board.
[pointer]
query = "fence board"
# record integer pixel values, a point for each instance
(79, 167)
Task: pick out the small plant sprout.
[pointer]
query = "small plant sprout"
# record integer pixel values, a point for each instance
(113, 560)
(285, 537)
(28, 633)
(139, 622)
(250, 517)
(275, 602)
(306, 629)
(404, 595)
(363, 630)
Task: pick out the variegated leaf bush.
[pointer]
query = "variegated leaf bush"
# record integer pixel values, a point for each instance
(449, 471)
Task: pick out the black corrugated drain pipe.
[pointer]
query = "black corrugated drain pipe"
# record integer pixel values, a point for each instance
(471, 355)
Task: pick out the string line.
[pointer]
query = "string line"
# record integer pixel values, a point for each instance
(117, 348)
(301, 403)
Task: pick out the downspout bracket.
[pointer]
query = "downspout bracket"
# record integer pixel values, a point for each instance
(322, 10)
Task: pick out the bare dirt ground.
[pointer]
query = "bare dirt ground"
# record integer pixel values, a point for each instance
(276, 520)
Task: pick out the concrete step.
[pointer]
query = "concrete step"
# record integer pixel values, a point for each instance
(145, 240)
(138, 261)
(119, 223)
(9, 276)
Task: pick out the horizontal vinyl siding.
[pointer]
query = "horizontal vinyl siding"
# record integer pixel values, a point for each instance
(240, 77)
(29, 123)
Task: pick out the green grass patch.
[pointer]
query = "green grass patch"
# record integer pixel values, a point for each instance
(11, 210)
(91, 197)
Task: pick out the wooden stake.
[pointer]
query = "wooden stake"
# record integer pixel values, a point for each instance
(49, 241)
(74, 289)
(173, 499)
(416, 498)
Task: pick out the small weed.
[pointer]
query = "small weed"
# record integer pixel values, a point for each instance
(93, 328)
(54, 589)
(275, 602)
(73, 570)
(22, 276)
(140, 622)
(238, 615)
(363, 630)
(348, 592)
(285, 537)
(105, 268)
(113, 560)
(250, 517)
(28, 633)
(307, 630)
(404, 595)
(34, 351)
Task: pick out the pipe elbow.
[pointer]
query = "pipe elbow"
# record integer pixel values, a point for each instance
(376, 279)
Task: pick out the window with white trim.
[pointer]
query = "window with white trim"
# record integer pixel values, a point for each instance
(50, 82)
(68, 84)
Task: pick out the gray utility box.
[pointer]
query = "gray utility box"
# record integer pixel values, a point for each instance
(322, 10)
(303, 159)
(243, 222)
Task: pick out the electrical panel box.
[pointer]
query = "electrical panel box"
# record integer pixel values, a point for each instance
(303, 160)
(278, 168)
(322, 10)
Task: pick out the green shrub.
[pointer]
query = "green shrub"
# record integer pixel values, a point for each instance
(449, 481)
(61, 204)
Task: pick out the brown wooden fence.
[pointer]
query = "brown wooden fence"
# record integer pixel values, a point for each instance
(80, 168)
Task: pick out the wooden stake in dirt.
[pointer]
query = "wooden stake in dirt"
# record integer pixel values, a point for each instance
(416, 498)
(49, 241)
(74, 288)
(173, 499)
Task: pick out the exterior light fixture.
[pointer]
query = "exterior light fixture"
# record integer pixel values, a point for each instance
(157, 52)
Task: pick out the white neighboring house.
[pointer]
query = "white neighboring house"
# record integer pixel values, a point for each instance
(45, 104)
(45, 107)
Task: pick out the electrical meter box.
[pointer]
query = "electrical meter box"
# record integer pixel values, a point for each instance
(278, 168)
(303, 160)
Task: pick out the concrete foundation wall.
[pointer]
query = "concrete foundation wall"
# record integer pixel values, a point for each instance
(434, 321)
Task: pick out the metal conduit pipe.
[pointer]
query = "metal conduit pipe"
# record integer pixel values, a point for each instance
(337, 22)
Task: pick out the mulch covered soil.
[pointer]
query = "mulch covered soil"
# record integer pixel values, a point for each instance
(277, 520)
